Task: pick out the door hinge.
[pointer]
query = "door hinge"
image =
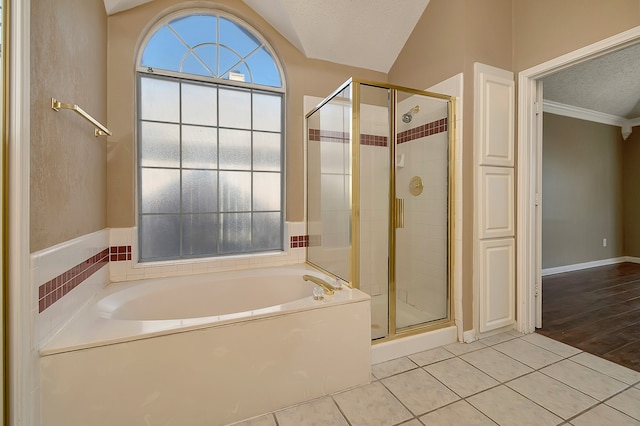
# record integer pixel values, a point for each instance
(537, 200)
(537, 288)
(536, 105)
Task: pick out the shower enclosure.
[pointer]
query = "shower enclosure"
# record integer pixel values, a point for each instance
(379, 168)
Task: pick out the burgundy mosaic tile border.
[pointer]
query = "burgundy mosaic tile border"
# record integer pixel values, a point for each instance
(343, 137)
(53, 290)
(373, 140)
(421, 131)
(119, 253)
(424, 130)
(300, 241)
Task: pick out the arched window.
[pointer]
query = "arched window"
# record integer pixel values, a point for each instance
(210, 139)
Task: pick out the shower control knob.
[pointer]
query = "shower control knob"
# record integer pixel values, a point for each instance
(415, 185)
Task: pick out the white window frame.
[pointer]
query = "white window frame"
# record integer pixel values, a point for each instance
(143, 70)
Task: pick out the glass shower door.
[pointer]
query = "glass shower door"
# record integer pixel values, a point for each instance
(421, 191)
(374, 195)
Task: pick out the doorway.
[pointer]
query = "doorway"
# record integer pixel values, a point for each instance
(529, 245)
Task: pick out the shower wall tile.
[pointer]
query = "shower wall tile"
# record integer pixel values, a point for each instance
(64, 278)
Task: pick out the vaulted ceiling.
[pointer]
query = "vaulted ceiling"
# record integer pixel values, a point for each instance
(362, 33)
(371, 33)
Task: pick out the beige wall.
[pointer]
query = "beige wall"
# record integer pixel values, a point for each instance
(68, 163)
(303, 76)
(631, 192)
(582, 202)
(449, 38)
(546, 29)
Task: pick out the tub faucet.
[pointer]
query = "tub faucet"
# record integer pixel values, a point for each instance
(328, 288)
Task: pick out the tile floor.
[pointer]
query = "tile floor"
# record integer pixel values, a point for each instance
(507, 379)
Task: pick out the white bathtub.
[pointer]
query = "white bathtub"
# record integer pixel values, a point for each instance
(204, 350)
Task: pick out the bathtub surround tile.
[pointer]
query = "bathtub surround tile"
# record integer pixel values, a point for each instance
(553, 395)
(458, 413)
(389, 368)
(604, 415)
(419, 391)
(371, 404)
(527, 353)
(431, 356)
(461, 377)
(628, 402)
(119, 253)
(586, 380)
(320, 412)
(509, 408)
(496, 364)
(295, 245)
(618, 372)
(298, 241)
(58, 287)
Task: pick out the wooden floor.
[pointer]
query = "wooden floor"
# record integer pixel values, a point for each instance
(596, 310)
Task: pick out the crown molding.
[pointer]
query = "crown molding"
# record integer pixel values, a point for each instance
(589, 115)
(582, 113)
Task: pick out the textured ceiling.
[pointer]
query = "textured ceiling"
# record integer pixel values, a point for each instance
(362, 33)
(608, 84)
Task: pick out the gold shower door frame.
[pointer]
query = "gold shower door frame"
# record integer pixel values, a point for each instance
(394, 217)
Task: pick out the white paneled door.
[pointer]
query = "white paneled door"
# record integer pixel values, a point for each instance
(494, 201)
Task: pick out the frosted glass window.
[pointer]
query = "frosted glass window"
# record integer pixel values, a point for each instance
(266, 112)
(235, 109)
(160, 190)
(266, 191)
(199, 104)
(199, 147)
(199, 191)
(200, 234)
(267, 152)
(265, 231)
(235, 191)
(235, 149)
(210, 140)
(159, 145)
(161, 101)
(236, 232)
(159, 236)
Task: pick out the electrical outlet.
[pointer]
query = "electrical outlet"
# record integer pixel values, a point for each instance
(604, 242)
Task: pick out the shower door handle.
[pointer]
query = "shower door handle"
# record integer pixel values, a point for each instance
(399, 213)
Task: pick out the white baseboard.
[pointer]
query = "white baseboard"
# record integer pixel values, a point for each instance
(586, 265)
(469, 336)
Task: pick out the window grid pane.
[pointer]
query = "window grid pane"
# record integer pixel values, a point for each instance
(207, 189)
(189, 44)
